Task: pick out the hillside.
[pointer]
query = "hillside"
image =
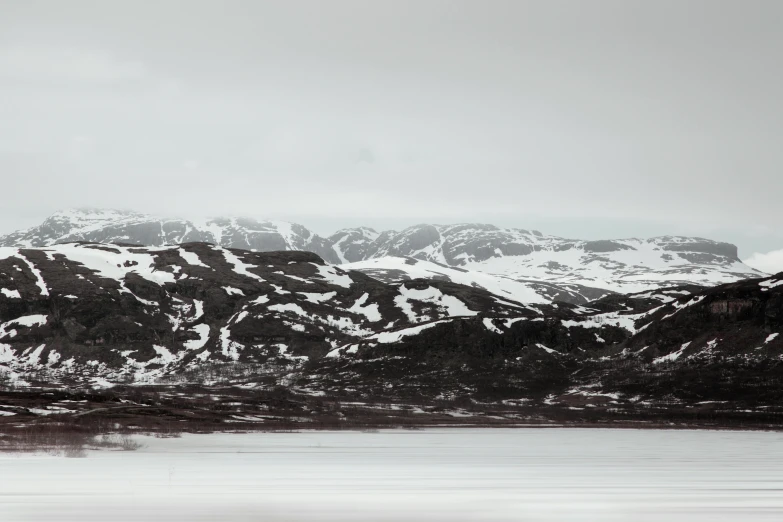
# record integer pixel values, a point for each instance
(101, 316)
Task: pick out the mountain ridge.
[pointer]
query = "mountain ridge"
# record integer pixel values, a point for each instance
(618, 265)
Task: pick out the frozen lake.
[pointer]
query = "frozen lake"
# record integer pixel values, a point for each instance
(449, 475)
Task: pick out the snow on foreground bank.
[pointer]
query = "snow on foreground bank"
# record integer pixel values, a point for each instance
(433, 475)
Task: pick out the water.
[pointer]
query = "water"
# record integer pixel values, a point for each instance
(450, 475)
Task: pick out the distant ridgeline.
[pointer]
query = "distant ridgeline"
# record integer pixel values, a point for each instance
(571, 270)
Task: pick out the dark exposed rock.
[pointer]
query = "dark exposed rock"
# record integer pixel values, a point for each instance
(605, 246)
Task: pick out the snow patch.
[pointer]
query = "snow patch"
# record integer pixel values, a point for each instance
(53, 358)
(370, 311)
(240, 267)
(490, 325)
(6, 353)
(191, 258)
(448, 304)
(547, 350)
(334, 275)
(164, 355)
(203, 332)
(317, 298)
(260, 300)
(29, 320)
(37, 273)
(229, 348)
(289, 307)
(766, 285)
(393, 337)
(672, 356)
(11, 294)
(34, 358)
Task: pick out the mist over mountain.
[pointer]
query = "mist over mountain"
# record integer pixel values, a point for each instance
(565, 266)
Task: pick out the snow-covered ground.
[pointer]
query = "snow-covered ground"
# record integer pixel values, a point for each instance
(520, 291)
(450, 475)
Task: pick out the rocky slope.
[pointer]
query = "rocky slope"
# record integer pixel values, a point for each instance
(95, 316)
(714, 356)
(102, 308)
(572, 270)
(114, 311)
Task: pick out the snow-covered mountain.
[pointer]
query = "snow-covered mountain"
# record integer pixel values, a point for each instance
(137, 313)
(113, 226)
(627, 265)
(397, 269)
(78, 316)
(553, 267)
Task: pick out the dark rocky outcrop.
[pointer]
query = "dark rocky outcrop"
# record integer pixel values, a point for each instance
(78, 314)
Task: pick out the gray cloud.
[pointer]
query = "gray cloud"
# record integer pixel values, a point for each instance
(602, 118)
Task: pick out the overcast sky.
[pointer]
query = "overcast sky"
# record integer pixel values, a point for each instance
(582, 119)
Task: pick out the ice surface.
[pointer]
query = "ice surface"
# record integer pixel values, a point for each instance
(535, 475)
